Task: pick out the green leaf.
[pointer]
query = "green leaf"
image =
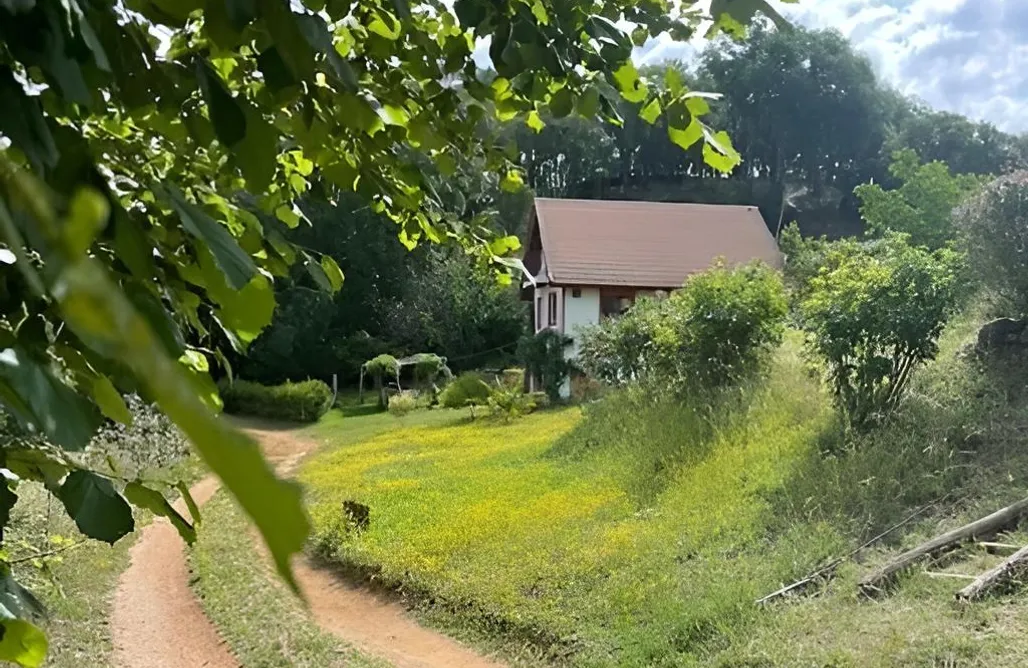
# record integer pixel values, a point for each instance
(287, 215)
(187, 496)
(110, 401)
(234, 262)
(43, 403)
(539, 12)
(651, 112)
(288, 38)
(274, 70)
(629, 83)
(561, 103)
(504, 245)
(687, 137)
(143, 497)
(240, 12)
(257, 151)
(534, 121)
(22, 121)
(393, 115)
(317, 273)
(333, 272)
(697, 106)
(22, 643)
(719, 153)
(226, 114)
(248, 311)
(385, 25)
(87, 215)
(97, 508)
(512, 182)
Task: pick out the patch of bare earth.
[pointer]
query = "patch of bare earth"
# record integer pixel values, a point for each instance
(158, 623)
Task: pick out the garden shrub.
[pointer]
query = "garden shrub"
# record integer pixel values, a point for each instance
(876, 313)
(380, 368)
(543, 357)
(403, 403)
(512, 379)
(298, 402)
(721, 326)
(510, 403)
(994, 227)
(467, 389)
(428, 368)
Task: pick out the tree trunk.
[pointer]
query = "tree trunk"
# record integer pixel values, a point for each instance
(987, 526)
(992, 578)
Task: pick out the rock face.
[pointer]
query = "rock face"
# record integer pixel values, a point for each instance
(1004, 334)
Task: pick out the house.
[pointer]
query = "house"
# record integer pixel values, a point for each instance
(592, 259)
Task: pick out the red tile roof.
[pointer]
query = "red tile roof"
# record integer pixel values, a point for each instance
(646, 244)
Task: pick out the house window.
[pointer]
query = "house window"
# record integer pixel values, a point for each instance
(553, 309)
(538, 313)
(576, 293)
(615, 301)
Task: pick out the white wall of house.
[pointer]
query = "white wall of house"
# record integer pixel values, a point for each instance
(580, 311)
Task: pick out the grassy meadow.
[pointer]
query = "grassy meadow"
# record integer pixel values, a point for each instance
(634, 533)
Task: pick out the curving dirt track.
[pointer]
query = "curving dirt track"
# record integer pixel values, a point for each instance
(158, 623)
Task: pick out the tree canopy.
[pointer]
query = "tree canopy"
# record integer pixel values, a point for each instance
(132, 131)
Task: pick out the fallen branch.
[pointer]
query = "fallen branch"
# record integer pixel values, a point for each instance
(995, 548)
(827, 572)
(958, 576)
(995, 576)
(987, 526)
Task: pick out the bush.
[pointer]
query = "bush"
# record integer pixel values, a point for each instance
(874, 315)
(510, 403)
(513, 379)
(718, 328)
(428, 368)
(380, 368)
(468, 389)
(403, 403)
(543, 357)
(994, 226)
(297, 402)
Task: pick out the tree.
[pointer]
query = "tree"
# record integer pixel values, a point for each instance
(864, 324)
(922, 206)
(802, 106)
(128, 247)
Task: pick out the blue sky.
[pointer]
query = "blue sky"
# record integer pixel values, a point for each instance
(967, 56)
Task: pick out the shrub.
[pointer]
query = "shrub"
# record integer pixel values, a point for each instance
(297, 402)
(403, 403)
(510, 403)
(994, 227)
(543, 357)
(876, 314)
(718, 328)
(428, 368)
(380, 368)
(468, 389)
(150, 443)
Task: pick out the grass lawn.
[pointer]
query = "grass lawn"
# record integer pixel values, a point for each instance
(641, 534)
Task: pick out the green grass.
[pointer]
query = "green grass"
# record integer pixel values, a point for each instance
(642, 533)
(77, 586)
(262, 621)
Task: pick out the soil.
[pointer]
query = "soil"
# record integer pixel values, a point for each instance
(158, 623)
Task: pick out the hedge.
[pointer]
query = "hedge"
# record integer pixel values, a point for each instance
(297, 402)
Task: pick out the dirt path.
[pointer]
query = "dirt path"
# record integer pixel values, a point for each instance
(158, 623)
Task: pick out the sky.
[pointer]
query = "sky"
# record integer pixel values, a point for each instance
(966, 56)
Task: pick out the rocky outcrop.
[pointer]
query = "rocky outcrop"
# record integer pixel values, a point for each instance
(1002, 335)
